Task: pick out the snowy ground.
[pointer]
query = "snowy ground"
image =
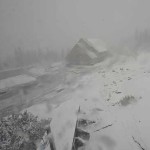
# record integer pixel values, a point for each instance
(120, 123)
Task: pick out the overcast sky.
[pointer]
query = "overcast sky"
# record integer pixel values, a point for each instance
(58, 24)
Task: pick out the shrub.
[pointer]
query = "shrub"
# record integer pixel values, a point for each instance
(21, 131)
(127, 100)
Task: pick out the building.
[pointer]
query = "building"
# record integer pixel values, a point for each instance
(87, 52)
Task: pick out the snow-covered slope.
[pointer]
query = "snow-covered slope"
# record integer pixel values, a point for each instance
(115, 95)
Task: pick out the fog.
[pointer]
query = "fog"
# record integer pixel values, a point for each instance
(58, 25)
(96, 95)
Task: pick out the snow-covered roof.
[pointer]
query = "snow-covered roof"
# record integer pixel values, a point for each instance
(16, 81)
(92, 46)
(91, 54)
(98, 44)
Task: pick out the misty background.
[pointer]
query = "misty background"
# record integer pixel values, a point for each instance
(32, 30)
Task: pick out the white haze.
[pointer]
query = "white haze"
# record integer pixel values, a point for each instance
(58, 24)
